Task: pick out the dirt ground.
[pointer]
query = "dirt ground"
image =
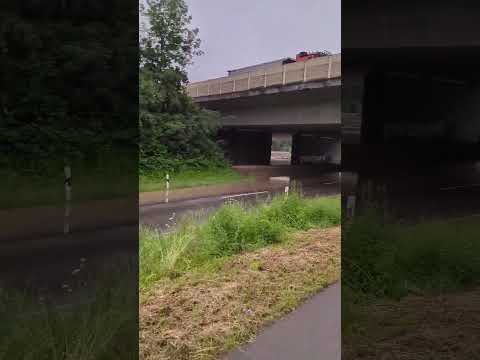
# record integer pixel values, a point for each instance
(205, 314)
(418, 327)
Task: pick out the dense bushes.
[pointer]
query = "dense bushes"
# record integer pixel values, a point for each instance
(175, 134)
(59, 85)
(67, 81)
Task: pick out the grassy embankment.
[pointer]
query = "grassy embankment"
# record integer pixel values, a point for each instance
(46, 187)
(404, 285)
(206, 288)
(191, 178)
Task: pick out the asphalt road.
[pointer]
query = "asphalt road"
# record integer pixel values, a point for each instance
(311, 332)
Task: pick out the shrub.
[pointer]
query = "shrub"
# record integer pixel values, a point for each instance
(234, 229)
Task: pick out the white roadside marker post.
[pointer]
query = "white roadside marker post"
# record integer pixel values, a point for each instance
(167, 187)
(385, 199)
(287, 188)
(351, 204)
(68, 198)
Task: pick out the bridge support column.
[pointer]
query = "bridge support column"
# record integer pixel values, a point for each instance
(295, 156)
(248, 146)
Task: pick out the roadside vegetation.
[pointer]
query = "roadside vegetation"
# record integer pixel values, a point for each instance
(207, 287)
(392, 269)
(176, 135)
(52, 122)
(155, 181)
(232, 229)
(391, 260)
(97, 322)
(281, 144)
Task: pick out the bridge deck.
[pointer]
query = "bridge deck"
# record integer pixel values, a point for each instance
(322, 68)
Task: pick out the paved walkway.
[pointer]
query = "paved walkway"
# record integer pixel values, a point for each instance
(312, 332)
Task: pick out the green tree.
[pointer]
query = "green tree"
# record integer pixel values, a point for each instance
(174, 132)
(168, 42)
(62, 68)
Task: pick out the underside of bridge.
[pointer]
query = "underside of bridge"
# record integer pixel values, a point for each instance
(410, 105)
(311, 117)
(411, 82)
(414, 105)
(310, 145)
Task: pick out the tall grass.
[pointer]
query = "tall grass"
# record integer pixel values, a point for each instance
(233, 229)
(103, 326)
(160, 254)
(390, 260)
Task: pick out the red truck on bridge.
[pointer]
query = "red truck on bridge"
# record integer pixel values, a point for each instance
(304, 55)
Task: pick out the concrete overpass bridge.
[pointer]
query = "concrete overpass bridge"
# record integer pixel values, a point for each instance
(300, 98)
(410, 99)
(411, 82)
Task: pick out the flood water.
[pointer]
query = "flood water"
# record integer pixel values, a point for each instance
(441, 191)
(309, 181)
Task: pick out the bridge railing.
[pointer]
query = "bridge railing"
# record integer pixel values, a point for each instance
(322, 68)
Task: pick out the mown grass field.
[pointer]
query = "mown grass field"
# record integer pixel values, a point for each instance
(207, 288)
(191, 178)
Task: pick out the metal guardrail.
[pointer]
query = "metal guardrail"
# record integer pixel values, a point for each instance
(322, 68)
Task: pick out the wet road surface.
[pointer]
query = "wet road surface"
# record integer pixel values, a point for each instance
(429, 193)
(162, 214)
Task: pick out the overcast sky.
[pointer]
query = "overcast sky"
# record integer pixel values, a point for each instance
(237, 33)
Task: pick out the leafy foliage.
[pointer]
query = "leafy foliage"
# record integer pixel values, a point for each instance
(174, 132)
(65, 80)
(281, 144)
